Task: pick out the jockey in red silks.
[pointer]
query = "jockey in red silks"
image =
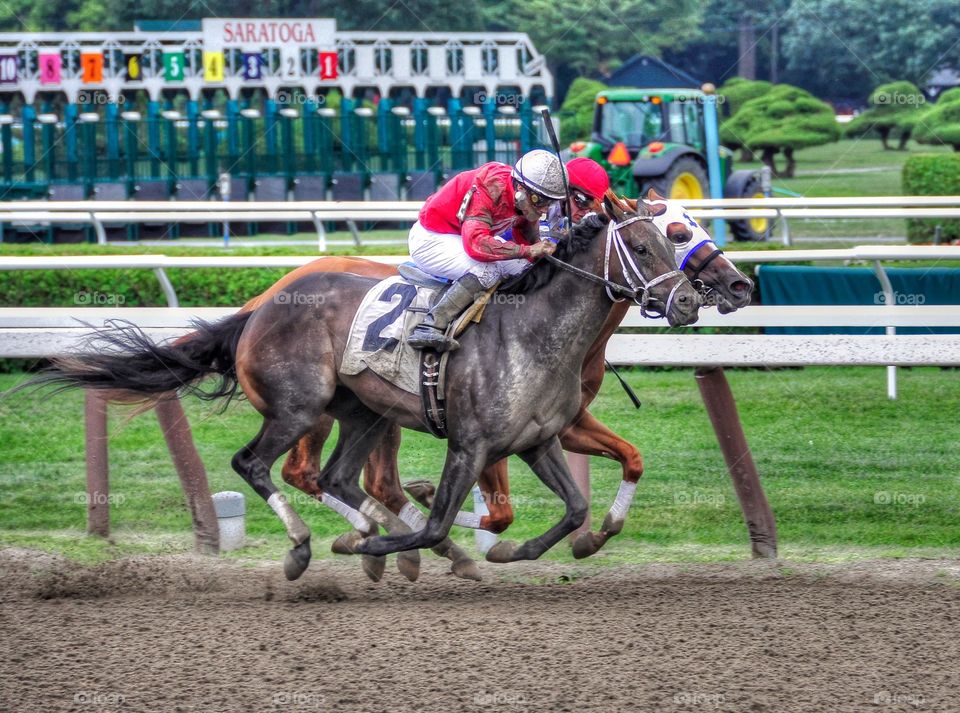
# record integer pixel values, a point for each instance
(588, 182)
(459, 234)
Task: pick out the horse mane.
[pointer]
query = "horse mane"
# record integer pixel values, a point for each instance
(580, 239)
(542, 272)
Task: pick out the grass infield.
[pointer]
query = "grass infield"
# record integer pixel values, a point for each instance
(849, 474)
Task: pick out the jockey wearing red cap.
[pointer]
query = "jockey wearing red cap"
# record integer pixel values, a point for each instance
(461, 228)
(588, 183)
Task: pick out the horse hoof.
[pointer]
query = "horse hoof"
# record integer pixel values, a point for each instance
(584, 545)
(466, 569)
(296, 561)
(420, 490)
(503, 551)
(347, 543)
(610, 527)
(373, 567)
(408, 564)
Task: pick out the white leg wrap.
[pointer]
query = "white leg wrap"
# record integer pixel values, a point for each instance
(352, 516)
(413, 518)
(467, 519)
(618, 511)
(294, 526)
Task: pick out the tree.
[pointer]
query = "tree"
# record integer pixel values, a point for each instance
(783, 120)
(894, 109)
(843, 48)
(941, 123)
(581, 38)
(578, 108)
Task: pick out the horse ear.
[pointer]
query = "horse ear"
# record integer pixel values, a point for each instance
(652, 195)
(611, 205)
(632, 203)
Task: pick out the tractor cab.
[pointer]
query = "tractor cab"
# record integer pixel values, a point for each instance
(638, 118)
(655, 138)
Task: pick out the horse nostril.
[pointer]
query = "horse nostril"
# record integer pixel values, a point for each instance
(738, 287)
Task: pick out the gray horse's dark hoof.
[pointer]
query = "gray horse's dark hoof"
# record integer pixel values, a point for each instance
(586, 544)
(503, 551)
(297, 560)
(347, 543)
(408, 564)
(374, 566)
(420, 490)
(466, 569)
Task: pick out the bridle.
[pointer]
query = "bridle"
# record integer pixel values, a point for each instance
(637, 287)
(695, 280)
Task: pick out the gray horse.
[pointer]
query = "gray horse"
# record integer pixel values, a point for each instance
(511, 388)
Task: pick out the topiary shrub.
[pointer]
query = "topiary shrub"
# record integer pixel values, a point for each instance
(941, 124)
(578, 109)
(894, 109)
(932, 175)
(784, 119)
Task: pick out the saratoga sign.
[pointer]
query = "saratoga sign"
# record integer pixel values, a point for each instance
(246, 32)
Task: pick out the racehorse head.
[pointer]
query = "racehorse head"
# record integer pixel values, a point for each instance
(639, 256)
(713, 275)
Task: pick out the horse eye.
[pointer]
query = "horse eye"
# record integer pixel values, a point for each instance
(640, 249)
(680, 238)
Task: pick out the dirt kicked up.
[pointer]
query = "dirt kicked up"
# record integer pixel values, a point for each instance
(195, 634)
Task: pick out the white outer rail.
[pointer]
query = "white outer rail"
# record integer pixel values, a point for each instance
(890, 317)
(99, 213)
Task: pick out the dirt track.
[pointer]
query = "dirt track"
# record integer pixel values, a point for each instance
(186, 634)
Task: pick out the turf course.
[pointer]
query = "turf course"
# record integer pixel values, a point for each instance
(848, 473)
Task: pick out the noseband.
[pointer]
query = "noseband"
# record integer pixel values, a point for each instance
(695, 280)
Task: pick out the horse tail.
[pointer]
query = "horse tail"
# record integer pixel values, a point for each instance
(121, 361)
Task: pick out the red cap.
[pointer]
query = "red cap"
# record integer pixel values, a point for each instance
(588, 176)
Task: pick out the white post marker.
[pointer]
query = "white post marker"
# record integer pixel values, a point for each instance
(231, 521)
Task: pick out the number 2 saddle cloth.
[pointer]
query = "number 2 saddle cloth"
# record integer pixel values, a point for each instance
(378, 341)
(378, 335)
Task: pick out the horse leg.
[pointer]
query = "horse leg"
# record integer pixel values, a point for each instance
(547, 461)
(253, 463)
(494, 484)
(302, 470)
(590, 437)
(360, 432)
(382, 481)
(459, 474)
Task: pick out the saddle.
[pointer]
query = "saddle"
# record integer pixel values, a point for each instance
(377, 340)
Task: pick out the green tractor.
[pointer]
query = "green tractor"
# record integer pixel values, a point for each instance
(654, 138)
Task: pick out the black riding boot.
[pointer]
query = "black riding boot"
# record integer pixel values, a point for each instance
(429, 334)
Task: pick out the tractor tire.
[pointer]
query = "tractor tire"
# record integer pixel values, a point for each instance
(746, 184)
(685, 180)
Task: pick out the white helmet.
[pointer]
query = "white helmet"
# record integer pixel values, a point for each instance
(541, 172)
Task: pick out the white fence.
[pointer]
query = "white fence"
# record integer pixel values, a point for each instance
(36, 332)
(101, 214)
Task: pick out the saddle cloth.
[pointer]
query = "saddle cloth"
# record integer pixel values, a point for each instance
(378, 334)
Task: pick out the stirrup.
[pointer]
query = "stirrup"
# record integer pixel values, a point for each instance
(425, 337)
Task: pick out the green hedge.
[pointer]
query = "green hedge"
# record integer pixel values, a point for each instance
(932, 175)
(133, 288)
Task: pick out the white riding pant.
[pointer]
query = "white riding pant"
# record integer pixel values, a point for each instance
(442, 254)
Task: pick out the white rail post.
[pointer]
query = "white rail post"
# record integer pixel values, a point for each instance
(890, 300)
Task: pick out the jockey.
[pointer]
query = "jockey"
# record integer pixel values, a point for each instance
(588, 182)
(456, 236)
